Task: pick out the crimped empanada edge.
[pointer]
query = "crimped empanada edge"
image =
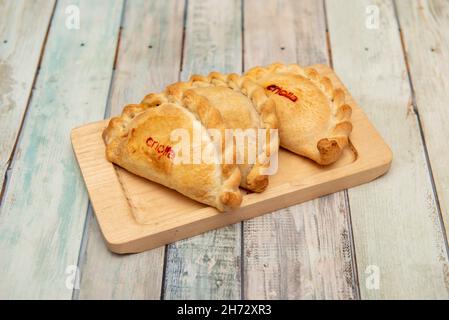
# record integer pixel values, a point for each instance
(330, 147)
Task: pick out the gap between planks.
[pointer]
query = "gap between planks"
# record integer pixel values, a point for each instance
(185, 274)
(404, 278)
(41, 275)
(307, 51)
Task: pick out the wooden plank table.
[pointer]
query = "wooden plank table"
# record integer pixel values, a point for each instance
(386, 239)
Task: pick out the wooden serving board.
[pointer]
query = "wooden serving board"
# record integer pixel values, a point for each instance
(135, 214)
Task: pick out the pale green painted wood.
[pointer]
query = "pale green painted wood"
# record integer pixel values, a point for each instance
(302, 252)
(45, 205)
(149, 58)
(395, 220)
(208, 266)
(23, 28)
(305, 251)
(425, 29)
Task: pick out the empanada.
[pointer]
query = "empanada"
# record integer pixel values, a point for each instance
(242, 105)
(314, 120)
(141, 141)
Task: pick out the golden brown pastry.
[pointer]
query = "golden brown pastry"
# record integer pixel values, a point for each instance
(314, 120)
(243, 105)
(141, 141)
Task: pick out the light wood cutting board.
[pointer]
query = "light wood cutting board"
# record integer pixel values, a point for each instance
(135, 214)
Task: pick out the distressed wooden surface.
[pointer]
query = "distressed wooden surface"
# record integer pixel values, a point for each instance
(425, 30)
(395, 219)
(302, 252)
(120, 202)
(208, 266)
(305, 251)
(148, 58)
(23, 29)
(45, 203)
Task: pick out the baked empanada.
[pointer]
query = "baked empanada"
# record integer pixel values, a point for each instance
(141, 141)
(314, 120)
(242, 105)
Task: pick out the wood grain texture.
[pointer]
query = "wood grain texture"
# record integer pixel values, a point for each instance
(23, 28)
(305, 251)
(149, 57)
(425, 29)
(45, 204)
(208, 266)
(395, 219)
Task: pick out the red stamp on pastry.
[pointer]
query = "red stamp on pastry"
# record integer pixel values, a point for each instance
(278, 90)
(161, 150)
